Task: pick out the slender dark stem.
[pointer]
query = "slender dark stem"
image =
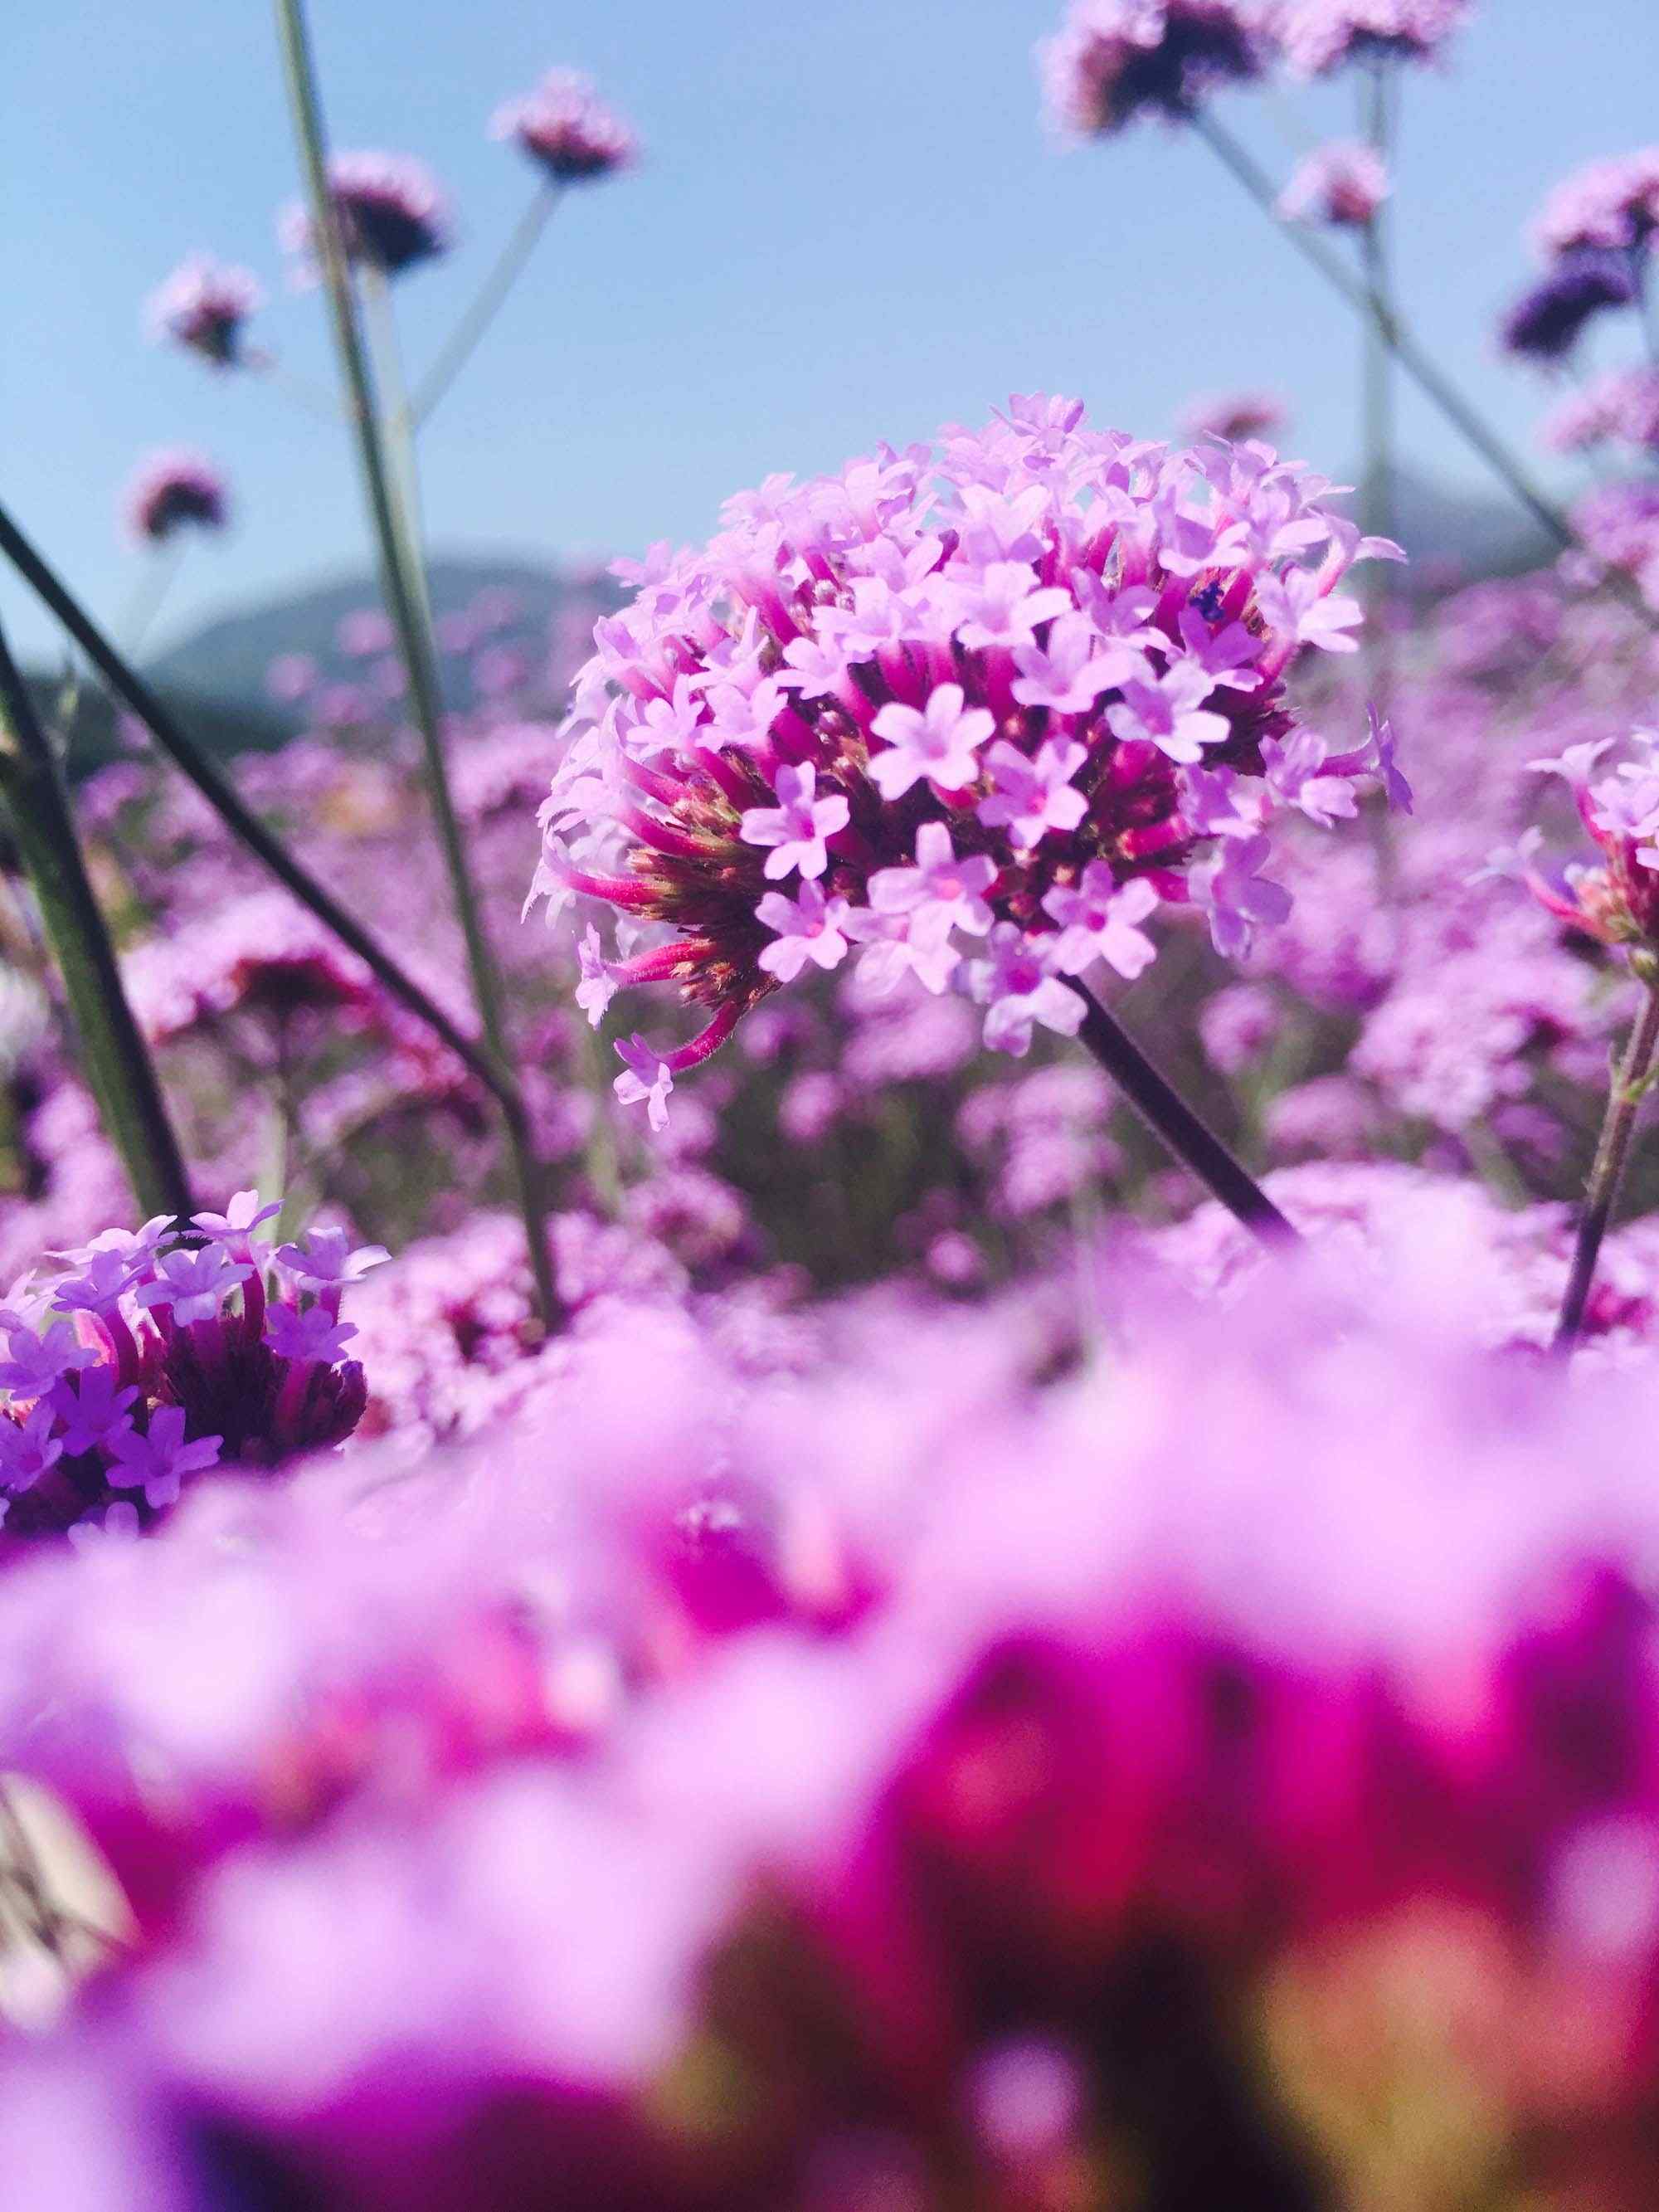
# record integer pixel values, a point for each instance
(201, 769)
(1169, 1118)
(1423, 371)
(403, 583)
(118, 1067)
(1607, 1171)
(492, 295)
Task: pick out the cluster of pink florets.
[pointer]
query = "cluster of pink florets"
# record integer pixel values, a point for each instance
(174, 491)
(391, 213)
(157, 1353)
(1616, 901)
(202, 307)
(567, 130)
(1614, 202)
(1114, 60)
(976, 712)
(1619, 408)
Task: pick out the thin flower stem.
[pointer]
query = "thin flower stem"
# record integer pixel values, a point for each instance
(1169, 1118)
(118, 1067)
(1630, 1087)
(263, 362)
(200, 769)
(1423, 371)
(403, 582)
(1376, 510)
(492, 296)
(145, 604)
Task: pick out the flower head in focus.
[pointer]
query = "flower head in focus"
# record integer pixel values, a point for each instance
(174, 491)
(567, 130)
(1343, 183)
(1615, 789)
(202, 307)
(391, 213)
(1113, 61)
(886, 711)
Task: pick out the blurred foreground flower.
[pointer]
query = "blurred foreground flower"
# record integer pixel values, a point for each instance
(681, 1797)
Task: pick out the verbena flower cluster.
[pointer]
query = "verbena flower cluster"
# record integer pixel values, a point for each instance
(204, 306)
(567, 130)
(976, 712)
(390, 212)
(158, 1353)
(173, 491)
(1615, 900)
(1114, 61)
(1318, 36)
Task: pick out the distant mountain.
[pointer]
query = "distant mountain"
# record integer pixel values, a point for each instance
(1458, 536)
(228, 659)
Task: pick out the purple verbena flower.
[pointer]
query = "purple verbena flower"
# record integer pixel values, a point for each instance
(565, 130)
(390, 214)
(1114, 60)
(202, 307)
(157, 1460)
(174, 491)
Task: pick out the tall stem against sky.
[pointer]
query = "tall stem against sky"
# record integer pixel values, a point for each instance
(403, 583)
(114, 1060)
(1379, 94)
(492, 296)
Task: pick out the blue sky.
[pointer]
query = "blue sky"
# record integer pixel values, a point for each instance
(849, 226)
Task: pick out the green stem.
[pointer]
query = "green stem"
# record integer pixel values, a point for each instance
(201, 769)
(1624, 1100)
(403, 582)
(118, 1067)
(491, 298)
(1376, 506)
(1423, 371)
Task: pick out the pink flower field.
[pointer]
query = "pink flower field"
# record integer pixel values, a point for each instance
(828, 1358)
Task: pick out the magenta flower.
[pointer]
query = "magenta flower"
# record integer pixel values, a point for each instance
(1239, 898)
(233, 1229)
(391, 213)
(157, 1462)
(940, 892)
(1343, 183)
(810, 928)
(202, 307)
(940, 742)
(28, 1448)
(938, 687)
(1165, 712)
(1033, 794)
(567, 131)
(1018, 990)
(645, 1081)
(174, 491)
(307, 1332)
(1098, 921)
(191, 1285)
(796, 829)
